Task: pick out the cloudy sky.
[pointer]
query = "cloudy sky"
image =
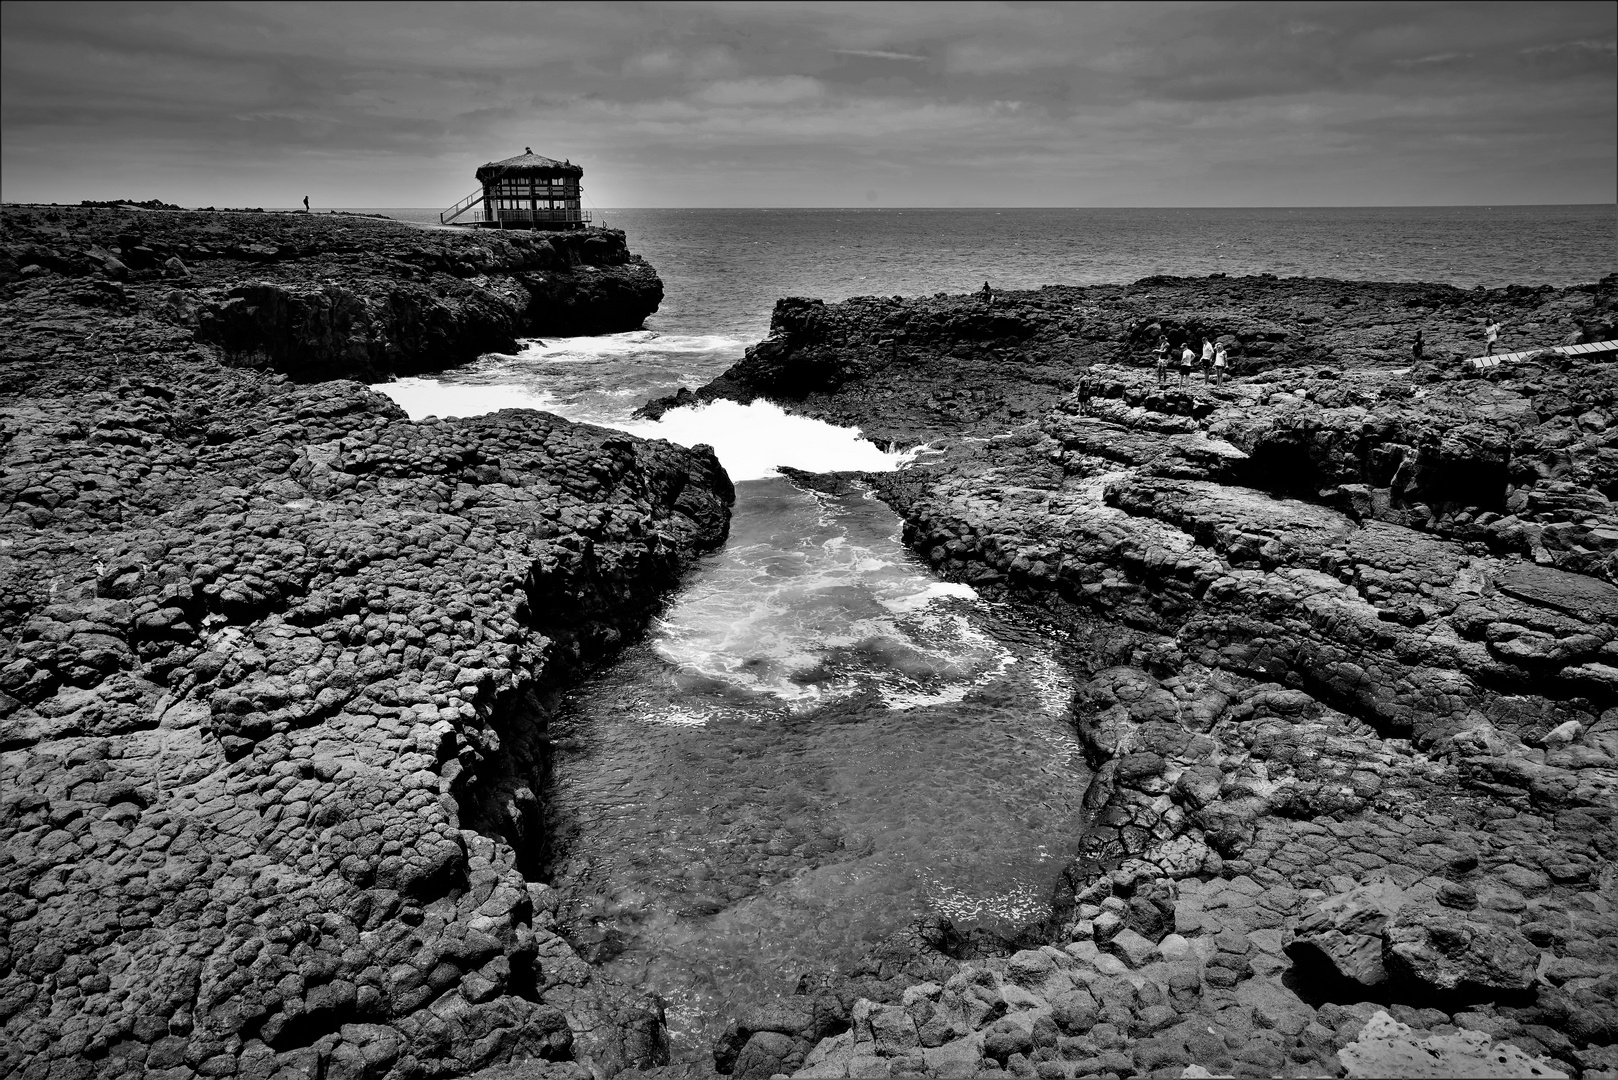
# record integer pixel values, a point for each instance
(816, 104)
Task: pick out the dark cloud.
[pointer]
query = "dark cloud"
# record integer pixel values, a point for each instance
(816, 103)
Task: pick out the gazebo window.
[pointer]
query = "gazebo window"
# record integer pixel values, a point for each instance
(527, 191)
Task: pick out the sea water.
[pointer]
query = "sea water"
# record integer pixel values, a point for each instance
(723, 270)
(818, 741)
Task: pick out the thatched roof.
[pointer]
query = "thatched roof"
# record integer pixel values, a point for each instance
(527, 164)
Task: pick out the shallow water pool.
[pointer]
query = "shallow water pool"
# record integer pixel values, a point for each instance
(817, 744)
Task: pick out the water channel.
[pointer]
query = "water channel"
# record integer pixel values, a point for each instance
(817, 743)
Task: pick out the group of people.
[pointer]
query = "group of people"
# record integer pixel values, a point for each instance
(1213, 360)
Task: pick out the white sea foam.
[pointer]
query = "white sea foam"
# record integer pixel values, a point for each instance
(630, 344)
(1018, 904)
(421, 398)
(753, 441)
(935, 590)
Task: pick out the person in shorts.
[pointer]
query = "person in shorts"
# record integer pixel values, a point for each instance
(1162, 352)
(1220, 362)
(1188, 360)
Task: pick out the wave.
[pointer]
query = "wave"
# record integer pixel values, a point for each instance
(421, 398)
(754, 441)
(628, 345)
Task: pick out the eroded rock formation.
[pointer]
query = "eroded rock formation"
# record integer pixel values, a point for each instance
(336, 296)
(1353, 702)
(275, 665)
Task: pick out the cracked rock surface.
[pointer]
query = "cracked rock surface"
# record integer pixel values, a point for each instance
(275, 665)
(1353, 698)
(329, 296)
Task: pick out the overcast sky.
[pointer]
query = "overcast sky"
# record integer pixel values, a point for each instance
(816, 104)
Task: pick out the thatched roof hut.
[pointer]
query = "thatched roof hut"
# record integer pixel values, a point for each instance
(526, 164)
(529, 191)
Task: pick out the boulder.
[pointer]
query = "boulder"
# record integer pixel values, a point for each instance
(1344, 932)
(1439, 951)
(766, 1054)
(1386, 1047)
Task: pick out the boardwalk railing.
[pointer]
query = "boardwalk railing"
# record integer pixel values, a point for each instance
(1483, 363)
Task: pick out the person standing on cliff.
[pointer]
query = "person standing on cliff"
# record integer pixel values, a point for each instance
(1162, 352)
(1219, 364)
(306, 204)
(1491, 336)
(1188, 360)
(1207, 360)
(988, 296)
(1415, 347)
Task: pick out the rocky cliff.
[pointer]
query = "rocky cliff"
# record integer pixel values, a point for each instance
(1352, 700)
(336, 296)
(276, 662)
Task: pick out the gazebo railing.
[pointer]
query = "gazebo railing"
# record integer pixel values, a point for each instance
(486, 216)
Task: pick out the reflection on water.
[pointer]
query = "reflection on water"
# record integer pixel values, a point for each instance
(818, 743)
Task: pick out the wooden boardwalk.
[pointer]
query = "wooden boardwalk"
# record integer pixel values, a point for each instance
(1482, 362)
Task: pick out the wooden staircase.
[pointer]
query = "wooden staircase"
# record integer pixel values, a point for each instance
(461, 207)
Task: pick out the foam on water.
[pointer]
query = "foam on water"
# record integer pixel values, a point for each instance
(753, 441)
(421, 398)
(813, 599)
(628, 345)
(816, 744)
(937, 590)
(595, 380)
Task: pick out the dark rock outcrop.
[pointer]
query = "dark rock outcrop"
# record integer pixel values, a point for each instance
(1353, 693)
(275, 668)
(339, 296)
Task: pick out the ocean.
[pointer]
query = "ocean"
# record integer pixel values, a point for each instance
(724, 269)
(818, 741)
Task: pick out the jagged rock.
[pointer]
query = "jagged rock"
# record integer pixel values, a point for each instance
(275, 666)
(343, 296)
(1450, 954)
(1386, 1047)
(1345, 932)
(1348, 662)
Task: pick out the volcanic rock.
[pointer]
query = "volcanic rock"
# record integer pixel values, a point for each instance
(341, 296)
(275, 674)
(1346, 643)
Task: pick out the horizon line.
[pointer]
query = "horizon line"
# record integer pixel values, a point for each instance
(878, 209)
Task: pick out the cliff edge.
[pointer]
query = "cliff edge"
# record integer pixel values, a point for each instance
(276, 663)
(1352, 696)
(339, 295)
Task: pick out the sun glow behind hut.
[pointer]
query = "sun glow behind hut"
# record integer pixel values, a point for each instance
(524, 192)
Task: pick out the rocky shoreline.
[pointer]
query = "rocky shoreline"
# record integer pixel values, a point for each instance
(276, 662)
(331, 296)
(1353, 706)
